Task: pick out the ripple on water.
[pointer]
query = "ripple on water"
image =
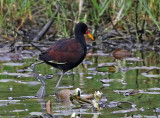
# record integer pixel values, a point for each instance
(36, 113)
(18, 110)
(107, 64)
(30, 83)
(149, 92)
(149, 75)
(17, 74)
(6, 80)
(133, 59)
(156, 89)
(65, 87)
(70, 111)
(9, 101)
(13, 64)
(89, 77)
(125, 110)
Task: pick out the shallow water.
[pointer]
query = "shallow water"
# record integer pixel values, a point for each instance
(131, 86)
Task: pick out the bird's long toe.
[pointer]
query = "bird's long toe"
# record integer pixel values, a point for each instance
(48, 76)
(41, 92)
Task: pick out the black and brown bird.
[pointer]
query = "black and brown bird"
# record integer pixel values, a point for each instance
(65, 54)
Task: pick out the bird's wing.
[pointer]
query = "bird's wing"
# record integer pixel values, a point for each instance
(63, 51)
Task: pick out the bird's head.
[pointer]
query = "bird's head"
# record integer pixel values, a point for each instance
(81, 28)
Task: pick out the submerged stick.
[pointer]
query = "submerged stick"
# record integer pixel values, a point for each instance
(46, 27)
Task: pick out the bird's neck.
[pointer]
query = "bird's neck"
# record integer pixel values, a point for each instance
(81, 39)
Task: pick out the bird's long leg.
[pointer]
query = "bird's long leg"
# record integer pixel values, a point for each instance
(59, 80)
(41, 92)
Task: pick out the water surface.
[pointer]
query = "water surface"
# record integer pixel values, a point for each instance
(131, 86)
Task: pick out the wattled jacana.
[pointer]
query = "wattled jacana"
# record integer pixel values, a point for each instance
(64, 54)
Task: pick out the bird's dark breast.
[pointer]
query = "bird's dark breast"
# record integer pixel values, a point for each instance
(65, 54)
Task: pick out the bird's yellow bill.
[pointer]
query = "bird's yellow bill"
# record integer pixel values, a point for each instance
(90, 36)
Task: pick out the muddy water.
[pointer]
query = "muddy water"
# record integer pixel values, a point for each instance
(130, 85)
